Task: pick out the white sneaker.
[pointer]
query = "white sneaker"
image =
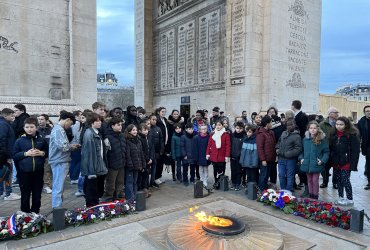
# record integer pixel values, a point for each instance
(350, 202)
(342, 201)
(2, 196)
(12, 197)
(48, 190)
(158, 181)
(162, 180)
(78, 194)
(74, 182)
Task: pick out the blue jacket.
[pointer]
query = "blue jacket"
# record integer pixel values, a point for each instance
(59, 146)
(28, 163)
(176, 146)
(187, 145)
(312, 152)
(200, 149)
(7, 137)
(249, 154)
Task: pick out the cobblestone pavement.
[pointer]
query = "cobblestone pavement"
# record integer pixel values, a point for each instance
(172, 197)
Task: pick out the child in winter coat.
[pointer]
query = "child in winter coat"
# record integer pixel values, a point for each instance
(200, 149)
(237, 139)
(249, 154)
(176, 152)
(116, 158)
(156, 134)
(218, 151)
(314, 157)
(187, 147)
(344, 153)
(135, 161)
(93, 165)
(30, 151)
(288, 149)
(149, 154)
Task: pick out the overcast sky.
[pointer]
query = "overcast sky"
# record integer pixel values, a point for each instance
(345, 41)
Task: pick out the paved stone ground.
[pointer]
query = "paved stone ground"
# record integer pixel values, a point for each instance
(171, 198)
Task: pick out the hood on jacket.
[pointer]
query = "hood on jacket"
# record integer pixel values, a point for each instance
(285, 134)
(308, 136)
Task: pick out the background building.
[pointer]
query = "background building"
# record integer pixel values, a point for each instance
(359, 92)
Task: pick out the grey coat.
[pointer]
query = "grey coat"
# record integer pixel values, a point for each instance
(92, 162)
(289, 145)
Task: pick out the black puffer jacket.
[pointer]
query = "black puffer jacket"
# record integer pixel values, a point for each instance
(135, 159)
(117, 155)
(344, 149)
(148, 147)
(156, 136)
(236, 144)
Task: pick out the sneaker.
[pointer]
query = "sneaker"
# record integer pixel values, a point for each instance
(15, 183)
(335, 186)
(74, 182)
(162, 180)
(158, 181)
(2, 196)
(367, 187)
(155, 185)
(350, 202)
(341, 201)
(79, 193)
(48, 190)
(237, 188)
(232, 187)
(12, 197)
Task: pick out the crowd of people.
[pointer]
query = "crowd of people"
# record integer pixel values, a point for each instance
(111, 154)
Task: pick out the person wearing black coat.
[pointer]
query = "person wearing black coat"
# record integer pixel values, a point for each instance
(237, 139)
(364, 129)
(149, 154)
(131, 116)
(344, 145)
(20, 117)
(30, 151)
(135, 160)
(167, 136)
(116, 159)
(156, 136)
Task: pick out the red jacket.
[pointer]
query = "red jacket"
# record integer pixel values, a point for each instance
(266, 145)
(219, 154)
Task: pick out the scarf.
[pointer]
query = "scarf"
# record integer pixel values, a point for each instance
(217, 137)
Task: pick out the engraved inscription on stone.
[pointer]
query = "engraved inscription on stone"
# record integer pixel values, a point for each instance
(167, 59)
(297, 49)
(208, 44)
(185, 55)
(139, 37)
(237, 38)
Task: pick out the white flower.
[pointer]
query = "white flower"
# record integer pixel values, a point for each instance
(101, 208)
(93, 216)
(102, 215)
(113, 212)
(25, 226)
(4, 231)
(127, 206)
(79, 217)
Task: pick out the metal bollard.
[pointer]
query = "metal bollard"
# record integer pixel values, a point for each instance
(252, 191)
(224, 183)
(58, 218)
(198, 189)
(357, 221)
(140, 201)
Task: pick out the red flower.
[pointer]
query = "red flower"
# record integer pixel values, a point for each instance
(324, 216)
(112, 206)
(84, 216)
(27, 219)
(286, 199)
(333, 218)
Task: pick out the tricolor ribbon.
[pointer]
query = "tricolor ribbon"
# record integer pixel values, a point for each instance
(12, 226)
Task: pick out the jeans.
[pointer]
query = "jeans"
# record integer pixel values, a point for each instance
(203, 174)
(287, 174)
(80, 184)
(264, 174)
(31, 185)
(7, 181)
(60, 172)
(178, 168)
(14, 171)
(74, 169)
(131, 185)
(153, 169)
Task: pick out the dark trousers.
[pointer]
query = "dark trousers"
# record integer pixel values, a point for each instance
(114, 182)
(264, 174)
(153, 170)
(367, 165)
(143, 178)
(93, 189)
(218, 170)
(31, 183)
(344, 182)
(185, 169)
(131, 184)
(159, 167)
(273, 172)
(236, 173)
(252, 174)
(178, 168)
(243, 172)
(75, 166)
(326, 172)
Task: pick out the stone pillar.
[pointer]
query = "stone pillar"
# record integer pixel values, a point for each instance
(143, 53)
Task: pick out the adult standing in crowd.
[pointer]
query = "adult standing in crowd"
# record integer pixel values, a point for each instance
(245, 117)
(131, 116)
(199, 121)
(301, 121)
(327, 126)
(166, 132)
(60, 155)
(364, 128)
(215, 116)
